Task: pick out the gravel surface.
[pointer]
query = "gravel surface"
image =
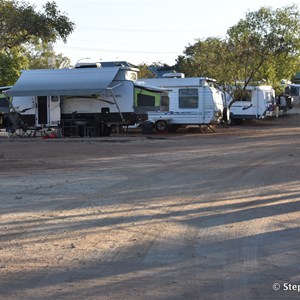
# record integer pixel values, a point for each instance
(190, 215)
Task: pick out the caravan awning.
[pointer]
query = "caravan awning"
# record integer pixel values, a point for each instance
(63, 82)
(144, 86)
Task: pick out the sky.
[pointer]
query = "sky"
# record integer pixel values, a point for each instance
(147, 31)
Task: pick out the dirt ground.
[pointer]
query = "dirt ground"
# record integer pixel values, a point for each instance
(189, 215)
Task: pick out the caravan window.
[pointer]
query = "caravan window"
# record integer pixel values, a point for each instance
(295, 91)
(242, 95)
(145, 100)
(188, 98)
(270, 97)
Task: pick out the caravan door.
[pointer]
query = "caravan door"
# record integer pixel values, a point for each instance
(47, 111)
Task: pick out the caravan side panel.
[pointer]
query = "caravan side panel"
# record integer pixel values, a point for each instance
(24, 103)
(122, 94)
(208, 105)
(192, 101)
(261, 104)
(184, 105)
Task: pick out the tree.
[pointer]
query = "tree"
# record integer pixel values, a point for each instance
(20, 23)
(23, 29)
(153, 70)
(144, 71)
(42, 56)
(262, 47)
(10, 66)
(262, 40)
(207, 58)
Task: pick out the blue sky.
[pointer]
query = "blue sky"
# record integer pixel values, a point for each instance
(143, 31)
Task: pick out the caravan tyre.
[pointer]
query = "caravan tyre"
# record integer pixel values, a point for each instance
(161, 126)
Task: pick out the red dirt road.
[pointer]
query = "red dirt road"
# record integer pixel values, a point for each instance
(179, 216)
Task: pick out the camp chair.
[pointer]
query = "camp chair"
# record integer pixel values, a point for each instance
(19, 127)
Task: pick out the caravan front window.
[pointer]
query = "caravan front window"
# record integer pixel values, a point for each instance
(295, 91)
(242, 95)
(188, 98)
(145, 100)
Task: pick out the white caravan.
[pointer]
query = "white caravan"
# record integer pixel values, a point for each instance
(82, 101)
(192, 101)
(292, 94)
(258, 103)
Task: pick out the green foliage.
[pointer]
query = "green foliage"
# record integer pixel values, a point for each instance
(208, 58)
(264, 47)
(262, 40)
(10, 66)
(24, 34)
(41, 56)
(144, 71)
(149, 71)
(20, 23)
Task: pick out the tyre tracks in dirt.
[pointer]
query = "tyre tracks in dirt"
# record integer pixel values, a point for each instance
(193, 217)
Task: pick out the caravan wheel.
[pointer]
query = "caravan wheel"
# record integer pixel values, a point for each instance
(161, 126)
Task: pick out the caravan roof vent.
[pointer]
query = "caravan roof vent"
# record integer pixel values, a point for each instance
(173, 75)
(88, 65)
